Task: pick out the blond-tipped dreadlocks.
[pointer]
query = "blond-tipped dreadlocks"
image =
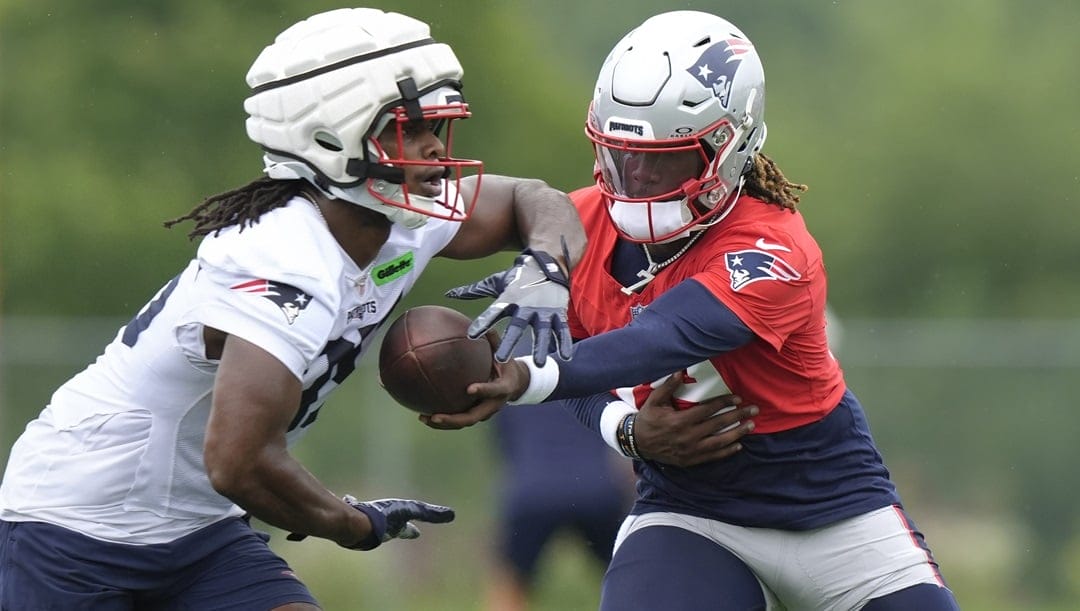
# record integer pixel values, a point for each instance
(242, 206)
(767, 183)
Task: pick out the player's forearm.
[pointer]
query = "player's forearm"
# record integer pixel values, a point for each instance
(588, 410)
(278, 490)
(684, 326)
(546, 220)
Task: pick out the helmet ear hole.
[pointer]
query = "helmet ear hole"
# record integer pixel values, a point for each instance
(750, 138)
(328, 141)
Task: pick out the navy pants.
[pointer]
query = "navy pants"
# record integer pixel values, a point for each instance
(227, 565)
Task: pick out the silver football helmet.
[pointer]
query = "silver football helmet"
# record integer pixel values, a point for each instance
(326, 89)
(676, 118)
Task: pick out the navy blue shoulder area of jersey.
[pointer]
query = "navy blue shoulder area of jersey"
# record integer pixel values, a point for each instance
(684, 326)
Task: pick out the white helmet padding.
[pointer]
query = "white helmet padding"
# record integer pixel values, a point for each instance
(327, 87)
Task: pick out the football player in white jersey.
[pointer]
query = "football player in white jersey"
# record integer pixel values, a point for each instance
(133, 488)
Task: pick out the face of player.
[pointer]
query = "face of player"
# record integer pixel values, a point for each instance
(418, 141)
(650, 175)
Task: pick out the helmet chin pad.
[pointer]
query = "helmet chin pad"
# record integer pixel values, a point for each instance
(651, 222)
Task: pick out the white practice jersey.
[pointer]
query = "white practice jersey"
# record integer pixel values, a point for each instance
(118, 452)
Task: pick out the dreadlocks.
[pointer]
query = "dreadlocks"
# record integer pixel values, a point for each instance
(767, 183)
(242, 206)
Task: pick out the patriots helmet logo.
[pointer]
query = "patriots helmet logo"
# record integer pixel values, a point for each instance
(716, 67)
(748, 266)
(290, 299)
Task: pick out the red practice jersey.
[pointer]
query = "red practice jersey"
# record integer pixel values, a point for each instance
(763, 264)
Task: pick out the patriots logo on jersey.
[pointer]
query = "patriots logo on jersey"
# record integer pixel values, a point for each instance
(716, 67)
(290, 299)
(357, 313)
(748, 266)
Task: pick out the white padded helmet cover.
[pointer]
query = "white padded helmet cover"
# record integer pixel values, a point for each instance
(322, 87)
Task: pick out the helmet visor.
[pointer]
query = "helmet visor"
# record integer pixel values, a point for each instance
(642, 173)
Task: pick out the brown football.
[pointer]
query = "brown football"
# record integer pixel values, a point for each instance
(427, 361)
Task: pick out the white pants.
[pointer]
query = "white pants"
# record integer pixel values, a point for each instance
(841, 566)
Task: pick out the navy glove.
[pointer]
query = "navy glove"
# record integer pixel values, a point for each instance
(534, 293)
(390, 519)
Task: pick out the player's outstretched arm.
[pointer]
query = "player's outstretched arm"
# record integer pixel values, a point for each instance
(391, 519)
(517, 213)
(247, 460)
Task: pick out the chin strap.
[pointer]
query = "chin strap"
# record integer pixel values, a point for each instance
(291, 169)
(731, 200)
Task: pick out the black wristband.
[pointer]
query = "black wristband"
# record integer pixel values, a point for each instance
(624, 435)
(546, 262)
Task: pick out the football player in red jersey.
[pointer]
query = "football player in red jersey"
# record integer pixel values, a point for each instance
(700, 278)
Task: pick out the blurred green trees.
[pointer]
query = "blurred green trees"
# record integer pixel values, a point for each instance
(939, 142)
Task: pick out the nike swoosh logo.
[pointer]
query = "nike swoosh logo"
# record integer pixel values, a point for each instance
(763, 245)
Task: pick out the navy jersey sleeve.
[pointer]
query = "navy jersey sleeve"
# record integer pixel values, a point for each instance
(684, 326)
(589, 409)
